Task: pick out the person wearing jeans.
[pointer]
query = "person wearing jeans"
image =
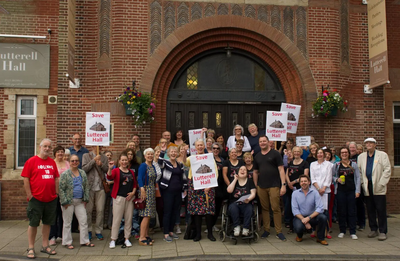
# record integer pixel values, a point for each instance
(307, 207)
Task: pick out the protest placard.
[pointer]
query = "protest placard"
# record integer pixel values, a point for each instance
(204, 172)
(276, 125)
(303, 141)
(97, 129)
(193, 136)
(293, 116)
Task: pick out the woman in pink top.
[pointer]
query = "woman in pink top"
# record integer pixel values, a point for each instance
(62, 165)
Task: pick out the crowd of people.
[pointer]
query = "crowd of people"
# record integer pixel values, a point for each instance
(318, 188)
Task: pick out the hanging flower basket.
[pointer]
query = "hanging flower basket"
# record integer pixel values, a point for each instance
(328, 104)
(138, 105)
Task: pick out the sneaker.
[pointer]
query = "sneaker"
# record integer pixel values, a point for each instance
(373, 234)
(128, 243)
(360, 228)
(174, 236)
(281, 237)
(341, 235)
(236, 231)
(265, 234)
(245, 232)
(90, 236)
(112, 244)
(178, 230)
(215, 229)
(382, 236)
(353, 236)
(53, 241)
(206, 231)
(168, 239)
(59, 239)
(99, 236)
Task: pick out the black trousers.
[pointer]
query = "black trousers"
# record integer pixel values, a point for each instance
(376, 208)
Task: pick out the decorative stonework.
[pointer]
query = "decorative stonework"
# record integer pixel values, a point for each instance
(237, 10)
(104, 60)
(288, 22)
(169, 19)
(301, 28)
(263, 14)
(196, 12)
(344, 37)
(183, 14)
(223, 9)
(209, 11)
(155, 25)
(276, 18)
(250, 11)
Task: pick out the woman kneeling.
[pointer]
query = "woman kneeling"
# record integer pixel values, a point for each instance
(242, 191)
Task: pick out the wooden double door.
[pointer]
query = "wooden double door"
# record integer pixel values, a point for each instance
(220, 117)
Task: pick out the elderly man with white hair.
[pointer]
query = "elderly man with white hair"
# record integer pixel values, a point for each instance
(375, 173)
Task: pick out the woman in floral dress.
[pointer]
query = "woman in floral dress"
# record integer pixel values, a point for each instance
(197, 201)
(147, 179)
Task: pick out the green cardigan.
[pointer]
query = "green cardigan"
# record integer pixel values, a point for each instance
(67, 187)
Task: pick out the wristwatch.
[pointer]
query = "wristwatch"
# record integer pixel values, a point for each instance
(284, 184)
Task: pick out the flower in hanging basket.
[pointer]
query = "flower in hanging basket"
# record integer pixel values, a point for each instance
(141, 105)
(329, 103)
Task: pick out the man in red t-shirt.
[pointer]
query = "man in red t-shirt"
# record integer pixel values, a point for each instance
(41, 186)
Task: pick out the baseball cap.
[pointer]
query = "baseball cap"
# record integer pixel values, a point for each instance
(370, 140)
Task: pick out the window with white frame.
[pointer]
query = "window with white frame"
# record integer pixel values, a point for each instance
(396, 133)
(25, 129)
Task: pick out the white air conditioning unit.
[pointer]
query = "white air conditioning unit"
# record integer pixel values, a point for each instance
(52, 99)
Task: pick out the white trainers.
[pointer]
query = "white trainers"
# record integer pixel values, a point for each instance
(178, 230)
(236, 231)
(112, 244)
(353, 236)
(245, 232)
(127, 243)
(341, 235)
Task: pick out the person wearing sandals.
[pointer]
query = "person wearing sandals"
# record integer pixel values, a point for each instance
(123, 193)
(172, 184)
(147, 179)
(347, 188)
(41, 180)
(74, 195)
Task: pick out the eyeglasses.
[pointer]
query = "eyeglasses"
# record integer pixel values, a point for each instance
(72, 161)
(215, 148)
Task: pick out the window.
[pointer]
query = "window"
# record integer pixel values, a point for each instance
(26, 129)
(396, 133)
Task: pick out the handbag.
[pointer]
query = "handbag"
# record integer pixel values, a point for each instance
(139, 203)
(103, 180)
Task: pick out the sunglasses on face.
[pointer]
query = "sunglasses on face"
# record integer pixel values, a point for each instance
(215, 148)
(73, 161)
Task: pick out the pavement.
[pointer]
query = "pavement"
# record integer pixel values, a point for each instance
(13, 245)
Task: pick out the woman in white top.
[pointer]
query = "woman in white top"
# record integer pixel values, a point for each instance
(238, 133)
(321, 178)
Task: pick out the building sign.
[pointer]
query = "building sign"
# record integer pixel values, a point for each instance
(24, 65)
(97, 129)
(378, 60)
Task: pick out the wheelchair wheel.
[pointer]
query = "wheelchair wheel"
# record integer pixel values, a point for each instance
(222, 235)
(256, 237)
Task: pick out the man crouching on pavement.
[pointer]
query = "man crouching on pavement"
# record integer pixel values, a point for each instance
(308, 210)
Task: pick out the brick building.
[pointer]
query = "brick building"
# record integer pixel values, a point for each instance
(280, 51)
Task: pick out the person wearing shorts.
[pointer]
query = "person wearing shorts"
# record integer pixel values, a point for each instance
(41, 180)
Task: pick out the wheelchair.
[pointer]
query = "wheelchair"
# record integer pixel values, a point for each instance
(227, 225)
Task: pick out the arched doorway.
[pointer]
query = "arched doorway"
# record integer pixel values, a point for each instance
(218, 91)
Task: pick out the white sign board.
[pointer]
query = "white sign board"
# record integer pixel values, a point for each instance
(97, 129)
(276, 125)
(303, 141)
(203, 171)
(293, 116)
(193, 136)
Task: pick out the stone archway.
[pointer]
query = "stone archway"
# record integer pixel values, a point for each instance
(260, 39)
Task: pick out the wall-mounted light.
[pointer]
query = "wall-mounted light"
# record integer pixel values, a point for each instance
(23, 36)
(228, 51)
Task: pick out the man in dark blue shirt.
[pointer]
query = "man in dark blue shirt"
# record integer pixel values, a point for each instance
(78, 149)
(253, 138)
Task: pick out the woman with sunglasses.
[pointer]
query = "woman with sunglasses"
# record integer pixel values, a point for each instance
(74, 195)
